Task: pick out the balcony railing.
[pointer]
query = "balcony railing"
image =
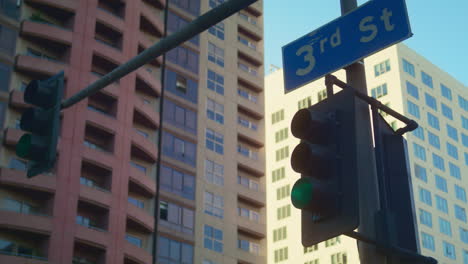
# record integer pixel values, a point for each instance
(248, 183)
(247, 152)
(247, 69)
(109, 44)
(248, 124)
(86, 222)
(92, 184)
(249, 19)
(247, 95)
(15, 250)
(21, 207)
(94, 146)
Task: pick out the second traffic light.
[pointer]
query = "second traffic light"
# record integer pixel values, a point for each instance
(327, 192)
(43, 121)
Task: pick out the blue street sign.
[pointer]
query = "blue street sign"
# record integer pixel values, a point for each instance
(366, 30)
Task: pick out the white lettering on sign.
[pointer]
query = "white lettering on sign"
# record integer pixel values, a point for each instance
(367, 27)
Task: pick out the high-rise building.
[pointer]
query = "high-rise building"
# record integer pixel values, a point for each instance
(112, 197)
(437, 150)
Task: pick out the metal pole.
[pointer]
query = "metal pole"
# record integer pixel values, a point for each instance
(368, 192)
(192, 29)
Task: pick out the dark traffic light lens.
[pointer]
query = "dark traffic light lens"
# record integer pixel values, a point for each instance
(23, 148)
(301, 194)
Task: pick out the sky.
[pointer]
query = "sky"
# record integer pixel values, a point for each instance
(440, 29)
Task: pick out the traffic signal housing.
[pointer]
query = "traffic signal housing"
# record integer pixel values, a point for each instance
(42, 120)
(327, 192)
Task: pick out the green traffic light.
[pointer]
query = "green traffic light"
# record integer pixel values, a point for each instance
(301, 193)
(23, 148)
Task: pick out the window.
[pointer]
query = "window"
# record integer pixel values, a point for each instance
(217, 30)
(17, 164)
(452, 151)
(215, 54)
(215, 82)
(464, 122)
(248, 68)
(382, 68)
(175, 23)
(332, 241)
(281, 135)
(138, 203)
(441, 204)
(180, 117)
(441, 183)
(454, 170)
(283, 212)
(248, 183)
(438, 162)
(431, 101)
(419, 133)
(314, 261)
(425, 218)
(446, 92)
(447, 111)
(427, 241)
(460, 193)
(408, 67)
(214, 205)
(281, 254)
(213, 239)
(280, 233)
(444, 227)
(176, 217)
(449, 250)
(464, 235)
(215, 111)
(245, 122)
(247, 95)
(433, 121)
(214, 141)
(247, 41)
(215, 3)
(247, 17)
(412, 90)
(283, 192)
(282, 153)
(460, 213)
(452, 132)
(214, 173)
(185, 58)
(339, 258)
(321, 95)
(247, 152)
(134, 240)
(425, 196)
(5, 73)
(420, 172)
(311, 248)
(463, 103)
(463, 136)
(278, 174)
(7, 40)
(304, 103)
(191, 6)
(379, 91)
(205, 261)
(279, 116)
(177, 182)
(248, 246)
(413, 109)
(426, 79)
(249, 214)
(174, 252)
(181, 86)
(179, 149)
(433, 140)
(419, 152)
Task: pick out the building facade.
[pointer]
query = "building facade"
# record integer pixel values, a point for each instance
(113, 197)
(437, 150)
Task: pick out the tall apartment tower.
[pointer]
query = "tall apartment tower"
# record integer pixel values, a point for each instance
(112, 197)
(437, 150)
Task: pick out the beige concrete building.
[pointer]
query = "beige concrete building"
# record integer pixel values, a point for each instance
(438, 155)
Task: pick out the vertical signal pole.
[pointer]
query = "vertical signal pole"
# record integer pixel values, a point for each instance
(368, 193)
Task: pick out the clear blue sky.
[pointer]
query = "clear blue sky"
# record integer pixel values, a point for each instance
(440, 29)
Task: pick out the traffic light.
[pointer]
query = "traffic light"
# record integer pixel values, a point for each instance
(327, 192)
(43, 121)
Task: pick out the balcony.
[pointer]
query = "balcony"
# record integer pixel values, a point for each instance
(143, 180)
(255, 198)
(145, 148)
(147, 78)
(26, 221)
(95, 195)
(106, 121)
(251, 161)
(47, 32)
(40, 67)
(62, 6)
(19, 247)
(112, 90)
(250, 78)
(250, 108)
(18, 178)
(253, 137)
(256, 8)
(109, 19)
(249, 50)
(90, 236)
(145, 41)
(247, 257)
(136, 254)
(250, 26)
(251, 228)
(17, 101)
(146, 114)
(141, 217)
(151, 20)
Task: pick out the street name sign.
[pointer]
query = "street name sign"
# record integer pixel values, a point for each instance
(373, 26)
